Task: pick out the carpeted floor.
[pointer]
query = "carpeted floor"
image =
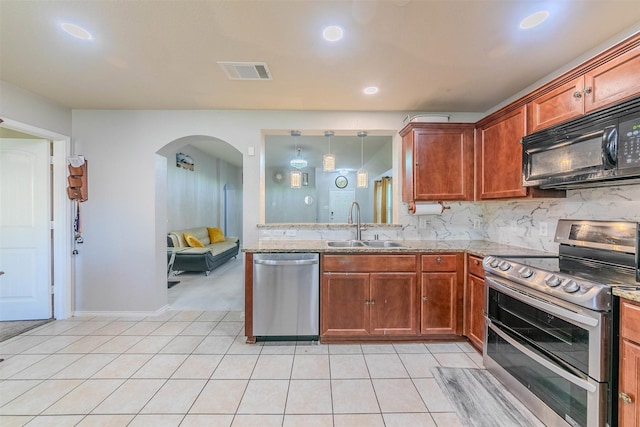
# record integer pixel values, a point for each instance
(10, 329)
(480, 401)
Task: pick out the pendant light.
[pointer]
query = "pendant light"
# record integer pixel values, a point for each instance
(297, 163)
(329, 160)
(362, 178)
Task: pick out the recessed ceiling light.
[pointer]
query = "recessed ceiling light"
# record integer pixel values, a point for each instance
(332, 33)
(370, 90)
(76, 31)
(534, 19)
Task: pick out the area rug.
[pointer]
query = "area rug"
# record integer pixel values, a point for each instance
(10, 329)
(480, 400)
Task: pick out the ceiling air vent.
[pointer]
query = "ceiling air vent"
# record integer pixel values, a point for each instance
(246, 70)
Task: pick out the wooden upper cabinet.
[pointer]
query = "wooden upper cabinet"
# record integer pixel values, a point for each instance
(613, 81)
(499, 157)
(437, 161)
(603, 83)
(560, 104)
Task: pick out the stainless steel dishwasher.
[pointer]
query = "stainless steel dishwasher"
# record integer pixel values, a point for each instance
(286, 295)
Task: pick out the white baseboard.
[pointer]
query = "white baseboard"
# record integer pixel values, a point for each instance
(121, 313)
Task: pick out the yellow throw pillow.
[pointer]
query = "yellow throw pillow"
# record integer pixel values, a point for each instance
(215, 235)
(192, 241)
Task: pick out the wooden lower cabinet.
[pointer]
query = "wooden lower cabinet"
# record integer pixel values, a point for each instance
(474, 302)
(408, 296)
(629, 370)
(393, 304)
(356, 303)
(342, 303)
(629, 412)
(476, 294)
(442, 294)
(439, 303)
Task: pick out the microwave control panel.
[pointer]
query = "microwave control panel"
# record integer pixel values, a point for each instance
(629, 143)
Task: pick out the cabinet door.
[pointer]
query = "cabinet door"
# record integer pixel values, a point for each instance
(343, 308)
(499, 157)
(475, 330)
(443, 163)
(407, 168)
(613, 81)
(562, 103)
(394, 303)
(439, 303)
(629, 414)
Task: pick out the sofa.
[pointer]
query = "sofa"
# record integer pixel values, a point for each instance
(190, 257)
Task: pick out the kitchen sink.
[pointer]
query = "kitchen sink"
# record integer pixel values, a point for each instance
(383, 244)
(365, 243)
(346, 244)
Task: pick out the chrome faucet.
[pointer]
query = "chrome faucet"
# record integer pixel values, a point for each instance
(350, 219)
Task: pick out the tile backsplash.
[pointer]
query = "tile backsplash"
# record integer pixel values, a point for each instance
(519, 222)
(523, 222)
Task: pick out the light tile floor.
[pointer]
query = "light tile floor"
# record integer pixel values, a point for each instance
(222, 289)
(192, 368)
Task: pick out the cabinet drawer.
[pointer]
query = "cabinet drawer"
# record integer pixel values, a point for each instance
(474, 266)
(439, 262)
(368, 263)
(629, 320)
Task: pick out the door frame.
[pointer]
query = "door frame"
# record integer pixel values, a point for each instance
(63, 264)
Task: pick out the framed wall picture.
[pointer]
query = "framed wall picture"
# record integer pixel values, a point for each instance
(184, 161)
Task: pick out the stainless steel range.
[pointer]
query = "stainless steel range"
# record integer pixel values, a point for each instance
(551, 323)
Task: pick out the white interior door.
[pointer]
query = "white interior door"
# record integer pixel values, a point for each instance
(25, 242)
(339, 202)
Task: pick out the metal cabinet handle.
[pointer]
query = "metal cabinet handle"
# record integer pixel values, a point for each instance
(438, 260)
(372, 302)
(1, 273)
(367, 302)
(625, 397)
(577, 94)
(424, 299)
(587, 90)
(476, 262)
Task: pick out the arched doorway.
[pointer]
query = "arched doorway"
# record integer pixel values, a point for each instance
(204, 189)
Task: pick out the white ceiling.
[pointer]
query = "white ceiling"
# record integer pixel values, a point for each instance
(456, 55)
(425, 55)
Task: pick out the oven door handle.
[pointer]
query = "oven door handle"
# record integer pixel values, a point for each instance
(544, 362)
(549, 308)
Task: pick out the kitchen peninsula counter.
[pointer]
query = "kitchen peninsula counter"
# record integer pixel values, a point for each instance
(419, 270)
(479, 248)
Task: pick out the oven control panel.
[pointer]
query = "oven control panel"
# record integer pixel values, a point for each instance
(550, 283)
(629, 144)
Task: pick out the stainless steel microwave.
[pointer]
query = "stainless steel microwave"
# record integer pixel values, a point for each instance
(597, 149)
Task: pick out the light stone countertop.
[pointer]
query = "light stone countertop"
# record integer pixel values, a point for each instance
(320, 226)
(627, 294)
(474, 247)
